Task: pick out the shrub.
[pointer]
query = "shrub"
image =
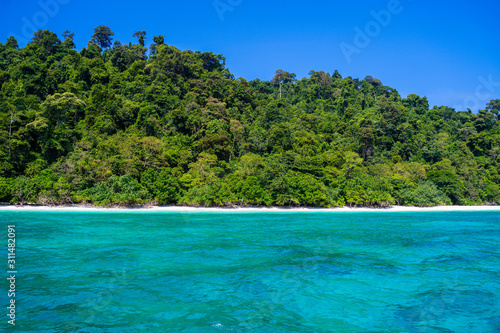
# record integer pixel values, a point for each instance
(425, 194)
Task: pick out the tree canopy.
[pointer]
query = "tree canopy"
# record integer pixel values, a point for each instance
(116, 124)
(102, 36)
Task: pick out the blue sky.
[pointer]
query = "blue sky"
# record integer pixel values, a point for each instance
(447, 51)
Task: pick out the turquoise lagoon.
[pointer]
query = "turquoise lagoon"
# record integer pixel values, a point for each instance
(229, 271)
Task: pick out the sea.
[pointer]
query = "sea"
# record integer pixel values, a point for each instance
(246, 271)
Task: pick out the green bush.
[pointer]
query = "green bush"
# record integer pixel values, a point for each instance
(164, 185)
(425, 194)
(5, 189)
(99, 195)
(123, 190)
(23, 190)
(127, 190)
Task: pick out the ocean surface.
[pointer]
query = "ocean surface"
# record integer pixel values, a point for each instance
(254, 272)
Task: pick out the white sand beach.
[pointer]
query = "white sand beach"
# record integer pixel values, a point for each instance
(90, 208)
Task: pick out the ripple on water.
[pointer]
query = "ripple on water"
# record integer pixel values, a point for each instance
(259, 272)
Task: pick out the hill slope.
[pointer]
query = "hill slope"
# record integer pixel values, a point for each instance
(118, 127)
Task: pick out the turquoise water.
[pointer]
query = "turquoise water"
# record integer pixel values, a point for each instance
(255, 272)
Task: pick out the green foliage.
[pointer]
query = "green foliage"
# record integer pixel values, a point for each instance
(366, 190)
(164, 185)
(100, 195)
(23, 190)
(102, 36)
(111, 126)
(425, 194)
(443, 174)
(5, 189)
(122, 190)
(127, 191)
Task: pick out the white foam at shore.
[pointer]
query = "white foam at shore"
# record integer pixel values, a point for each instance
(87, 208)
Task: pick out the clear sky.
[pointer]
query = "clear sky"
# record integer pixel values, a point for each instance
(448, 51)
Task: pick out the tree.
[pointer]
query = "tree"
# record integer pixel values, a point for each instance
(12, 42)
(425, 194)
(141, 35)
(281, 77)
(63, 109)
(493, 104)
(417, 103)
(102, 36)
(336, 75)
(5, 189)
(13, 117)
(163, 184)
(106, 126)
(69, 39)
(46, 40)
(373, 81)
(37, 36)
(449, 182)
(237, 131)
(121, 58)
(494, 107)
(22, 189)
(367, 138)
(159, 40)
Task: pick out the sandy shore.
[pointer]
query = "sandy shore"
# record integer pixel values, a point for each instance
(87, 208)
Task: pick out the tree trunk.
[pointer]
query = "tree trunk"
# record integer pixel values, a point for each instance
(12, 120)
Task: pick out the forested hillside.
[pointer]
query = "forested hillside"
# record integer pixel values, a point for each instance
(121, 124)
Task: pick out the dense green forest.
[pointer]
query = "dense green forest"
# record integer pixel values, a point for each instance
(123, 124)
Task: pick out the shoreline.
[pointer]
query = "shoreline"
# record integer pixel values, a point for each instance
(91, 208)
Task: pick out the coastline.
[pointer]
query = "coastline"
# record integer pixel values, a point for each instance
(91, 208)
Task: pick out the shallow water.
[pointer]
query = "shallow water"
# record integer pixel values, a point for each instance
(256, 272)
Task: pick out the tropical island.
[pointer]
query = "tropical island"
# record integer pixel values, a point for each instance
(124, 124)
